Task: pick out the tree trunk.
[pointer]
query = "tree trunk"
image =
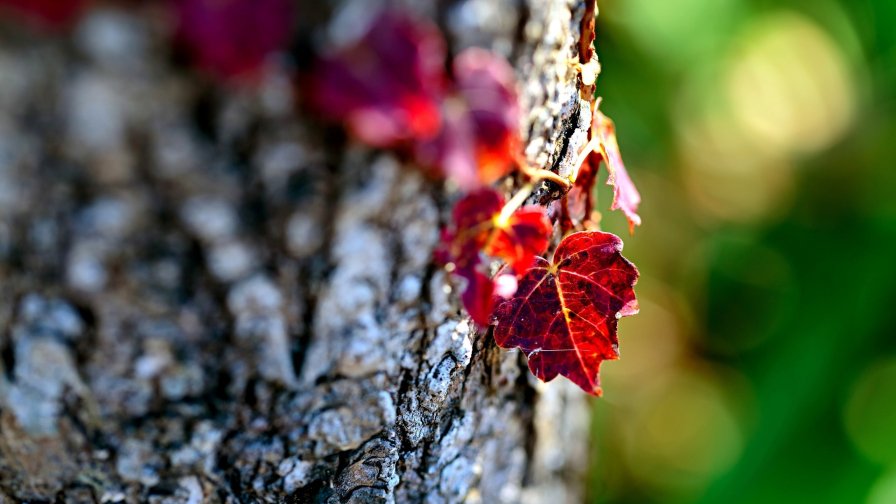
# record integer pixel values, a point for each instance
(208, 297)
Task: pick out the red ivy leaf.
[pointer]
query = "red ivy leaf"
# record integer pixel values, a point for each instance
(586, 38)
(523, 236)
(564, 313)
(386, 87)
(479, 227)
(460, 247)
(472, 225)
(232, 38)
(478, 295)
(53, 14)
(625, 195)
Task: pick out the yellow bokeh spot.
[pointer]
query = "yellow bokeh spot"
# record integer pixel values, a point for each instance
(726, 176)
(685, 435)
(783, 90)
(789, 85)
(651, 342)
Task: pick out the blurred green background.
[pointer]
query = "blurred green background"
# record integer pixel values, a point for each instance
(762, 367)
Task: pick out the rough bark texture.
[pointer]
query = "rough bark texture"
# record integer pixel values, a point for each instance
(207, 296)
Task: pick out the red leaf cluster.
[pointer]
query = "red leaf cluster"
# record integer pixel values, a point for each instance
(480, 227)
(578, 203)
(391, 90)
(232, 38)
(564, 313)
(52, 14)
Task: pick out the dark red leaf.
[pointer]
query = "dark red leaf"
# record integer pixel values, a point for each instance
(387, 86)
(461, 245)
(564, 313)
(53, 14)
(231, 38)
(479, 227)
(523, 236)
(625, 195)
(478, 295)
(472, 225)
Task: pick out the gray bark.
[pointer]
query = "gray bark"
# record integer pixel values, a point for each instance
(204, 300)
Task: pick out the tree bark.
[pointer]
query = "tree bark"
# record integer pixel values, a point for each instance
(208, 297)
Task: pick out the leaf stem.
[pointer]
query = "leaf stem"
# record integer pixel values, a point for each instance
(513, 204)
(537, 174)
(592, 146)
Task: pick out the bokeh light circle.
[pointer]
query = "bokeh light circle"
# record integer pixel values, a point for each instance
(870, 414)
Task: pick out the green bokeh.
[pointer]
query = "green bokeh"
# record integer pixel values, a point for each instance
(788, 313)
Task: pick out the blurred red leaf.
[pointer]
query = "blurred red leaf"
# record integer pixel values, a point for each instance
(486, 84)
(231, 38)
(390, 90)
(625, 195)
(479, 138)
(523, 236)
(471, 227)
(477, 228)
(564, 313)
(53, 14)
(461, 245)
(478, 295)
(387, 86)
